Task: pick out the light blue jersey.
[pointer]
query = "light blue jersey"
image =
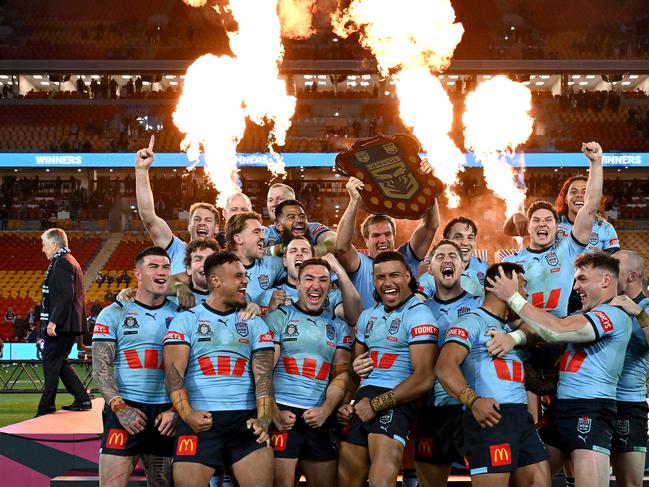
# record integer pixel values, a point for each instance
(263, 274)
(632, 386)
(219, 374)
(388, 334)
(334, 298)
(272, 236)
(603, 237)
(362, 278)
(592, 370)
(446, 314)
(176, 251)
(308, 342)
(550, 273)
(472, 279)
(138, 331)
(503, 378)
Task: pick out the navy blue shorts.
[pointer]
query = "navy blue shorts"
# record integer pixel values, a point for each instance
(630, 427)
(304, 442)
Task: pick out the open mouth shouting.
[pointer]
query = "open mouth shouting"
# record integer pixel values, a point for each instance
(382, 247)
(202, 232)
(242, 292)
(542, 233)
(448, 271)
(160, 281)
(390, 293)
(314, 298)
(299, 229)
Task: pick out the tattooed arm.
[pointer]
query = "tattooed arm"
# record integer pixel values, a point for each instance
(103, 360)
(175, 361)
(263, 362)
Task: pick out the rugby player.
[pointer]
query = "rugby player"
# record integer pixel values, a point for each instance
(235, 203)
(312, 372)
(500, 440)
(127, 368)
(195, 255)
(379, 233)
(581, 421)
(395, 352)
(216, 365)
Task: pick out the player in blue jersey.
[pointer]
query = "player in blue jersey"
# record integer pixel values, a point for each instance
(500, 440)
(379, 232)
(312, 372)
(195, 255)
(629, 444)
(395, 352)
(581, 421)
(244, 236)
(217, 367)
(321, 236)
(463, 231)
(438, 440)
(127, 368)
(203, 217)
(343, 301)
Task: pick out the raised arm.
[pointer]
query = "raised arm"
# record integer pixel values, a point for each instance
(583, 226)
(516, 225)
(352, 306)
(424, 234)
(344, 249)
(158, 229)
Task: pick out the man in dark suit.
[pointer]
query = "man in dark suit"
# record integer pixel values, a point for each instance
(64, 319)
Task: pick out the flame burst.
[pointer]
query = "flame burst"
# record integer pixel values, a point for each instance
(220, 92)
(496, 121)
(296, 17)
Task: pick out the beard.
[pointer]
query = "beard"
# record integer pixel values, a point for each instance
(286, 235)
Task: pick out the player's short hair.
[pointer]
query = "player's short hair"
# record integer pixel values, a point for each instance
(301, 237)
(194, 245)
(243, 195)
(635, 262)
(373, 220)
(445, 241)
(205, 206)
(279, 208)
(599, 260)
(464, 221)
(542, 205)
(313, 261)
(393, 255)
(236, 224)
(284, 187)
(560, 203)
(218, 259)
(155, 250)
(56, 235)
(508, 267)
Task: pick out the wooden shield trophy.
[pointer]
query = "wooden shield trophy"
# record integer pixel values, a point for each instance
(393, 182)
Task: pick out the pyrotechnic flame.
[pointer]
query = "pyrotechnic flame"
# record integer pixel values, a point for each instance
(296, 17)
(496, 121)
(425, 106)
(219, 93)
(195, 3)
(408, 33)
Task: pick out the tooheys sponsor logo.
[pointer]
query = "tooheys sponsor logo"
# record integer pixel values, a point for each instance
(424, 330)
(347, 339)
(267, 337)
(116, 439)
(58, 160)
(100, 329)
(500, 454)
(607, 324)
(457, 332)
(614, 241)
(187, 445)
(278, 441)
(173, 335)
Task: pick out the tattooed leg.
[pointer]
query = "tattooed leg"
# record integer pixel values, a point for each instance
(114, 471)
(158, 470)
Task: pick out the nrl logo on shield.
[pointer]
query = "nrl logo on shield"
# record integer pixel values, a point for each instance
(583, 425)
(394, 326)
(623, 427)
(386, 417)
(552, 258)
(264, 281)
(330, 331)
(390, 148)
(363, 157)
(242, 328)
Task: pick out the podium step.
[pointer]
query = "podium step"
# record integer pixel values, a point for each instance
(90, 478)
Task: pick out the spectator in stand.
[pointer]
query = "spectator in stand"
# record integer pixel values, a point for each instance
(10, 316)
(109, 297)
(95, 308)
(124, 278)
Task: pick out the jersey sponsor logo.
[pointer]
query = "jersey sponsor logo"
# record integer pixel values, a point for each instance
(278, 440)
(500, 454)
(583, 425)
(457, 332)
(264, 281)
(266, 337)
(331, 334)
(242, 328)
(204, 330)
(614, 241)
(173, 335)
(309, 366)
(100, 329)
(424, 330)
(623, 427)
(187, 445)
(130, 322)
(224, 366)
(385, 361)
(462, 310)
(594, 238)
(394, 326)
(607, 324)
(572, 361)
(425, 447)
(347, 339)
(291, 330)
(116, 439)
(552, 258)
(318, 229)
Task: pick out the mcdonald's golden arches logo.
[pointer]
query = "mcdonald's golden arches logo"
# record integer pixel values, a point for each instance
(425, 447)
(187, 445)
(116, 439)
(279, 440)
(500, 454)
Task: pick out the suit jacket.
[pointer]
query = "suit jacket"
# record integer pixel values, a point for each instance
(66, 299)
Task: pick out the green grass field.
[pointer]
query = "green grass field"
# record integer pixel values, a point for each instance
(19, 407)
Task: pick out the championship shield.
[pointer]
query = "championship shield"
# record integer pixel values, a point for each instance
(389, 169)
